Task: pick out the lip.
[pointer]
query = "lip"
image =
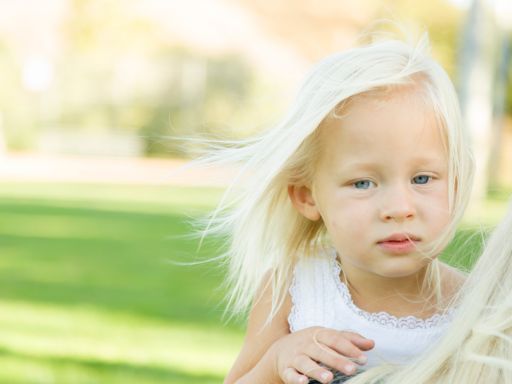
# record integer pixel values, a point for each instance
(399, 243)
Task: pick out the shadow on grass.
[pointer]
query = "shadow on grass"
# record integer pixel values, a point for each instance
(112, 371)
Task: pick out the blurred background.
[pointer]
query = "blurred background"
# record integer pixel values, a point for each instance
(95, 204)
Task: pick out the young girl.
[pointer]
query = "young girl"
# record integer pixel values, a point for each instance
(477, 348)
(347, 203)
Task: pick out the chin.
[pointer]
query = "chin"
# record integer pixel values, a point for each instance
(402, 268)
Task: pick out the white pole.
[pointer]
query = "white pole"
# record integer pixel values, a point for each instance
(475, 86)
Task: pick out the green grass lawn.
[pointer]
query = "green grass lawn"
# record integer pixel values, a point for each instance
(89, 292)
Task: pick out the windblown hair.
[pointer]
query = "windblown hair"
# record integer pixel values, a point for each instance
(477, 348)
(266, 235)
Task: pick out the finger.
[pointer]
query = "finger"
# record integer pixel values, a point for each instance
(333, 359)
(310, 368)
(359, 341)
(291, 376)
(341, 342)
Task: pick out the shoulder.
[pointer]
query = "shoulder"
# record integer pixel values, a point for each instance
(315, 293)
(261, 332)
(316, 266)
(258, 321)
(312, 276)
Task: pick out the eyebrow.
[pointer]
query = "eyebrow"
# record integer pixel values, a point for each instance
(359, 165)
(430, 160)
(434, 160)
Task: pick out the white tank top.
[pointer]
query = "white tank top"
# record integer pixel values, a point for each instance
(319, 298)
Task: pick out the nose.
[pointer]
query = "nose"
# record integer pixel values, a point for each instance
(398, 204)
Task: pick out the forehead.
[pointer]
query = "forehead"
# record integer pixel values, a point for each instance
(401, 127)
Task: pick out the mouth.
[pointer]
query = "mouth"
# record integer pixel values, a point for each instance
(399, 243)
(398, 237)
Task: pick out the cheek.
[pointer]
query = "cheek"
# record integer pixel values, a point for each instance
(436, 197)
(437, 209)
(347, 220)
(443, 202)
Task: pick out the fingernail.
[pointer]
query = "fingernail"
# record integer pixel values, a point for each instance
(362, 359)
(350, 368)
(325, 376)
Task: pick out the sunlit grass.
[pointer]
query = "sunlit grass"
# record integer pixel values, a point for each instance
(84, 334)
(89, 292)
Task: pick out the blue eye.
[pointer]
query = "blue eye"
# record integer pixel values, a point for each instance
(421, 179)
(363, 184)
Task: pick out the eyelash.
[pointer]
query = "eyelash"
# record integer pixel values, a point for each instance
(429, 178)
(355, 183)
(413, 181)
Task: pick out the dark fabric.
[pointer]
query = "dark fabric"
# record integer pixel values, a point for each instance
(338, 378)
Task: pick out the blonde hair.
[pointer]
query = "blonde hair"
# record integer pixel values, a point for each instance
(264, 231)
(477, 348)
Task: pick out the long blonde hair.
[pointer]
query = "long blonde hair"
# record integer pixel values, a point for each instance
(264, 232)
(477, 348)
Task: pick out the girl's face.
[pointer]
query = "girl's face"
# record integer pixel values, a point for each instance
(381, 186)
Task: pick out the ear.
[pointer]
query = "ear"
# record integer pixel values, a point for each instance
(303, 201)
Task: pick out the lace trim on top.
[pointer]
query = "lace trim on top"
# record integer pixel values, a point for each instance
(293, 316)
(384, 318)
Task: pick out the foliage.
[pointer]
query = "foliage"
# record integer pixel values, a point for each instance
(118, 69)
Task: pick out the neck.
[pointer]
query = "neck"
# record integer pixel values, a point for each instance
(398, 296)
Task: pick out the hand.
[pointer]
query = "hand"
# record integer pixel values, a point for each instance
(308, 354)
